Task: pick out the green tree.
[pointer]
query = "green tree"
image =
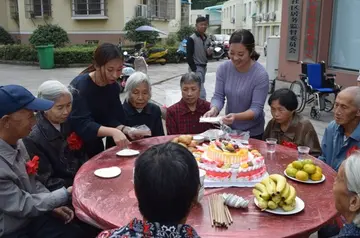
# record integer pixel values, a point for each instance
(131, 34)
(49, 34)
(185, 32)
(5, 37)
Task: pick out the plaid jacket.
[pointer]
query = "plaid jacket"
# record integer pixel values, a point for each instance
(181, 120)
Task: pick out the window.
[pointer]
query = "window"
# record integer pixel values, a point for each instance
(345, 36)
(38, 8)
(267, 6)
(230, 11)
(245, 10)
(260, 7)
(14, 9)
(249, 8)
(163, 9)
(88, 8)
(276, 5)
(234, 11)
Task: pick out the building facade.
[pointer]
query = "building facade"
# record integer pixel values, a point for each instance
(315, 30)
(232, 16)
(213, 14)
(87, 20)
(267, 19)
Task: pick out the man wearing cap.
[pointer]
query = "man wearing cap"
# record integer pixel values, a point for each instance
(27, 208)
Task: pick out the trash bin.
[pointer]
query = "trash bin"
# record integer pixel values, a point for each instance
(46, 56)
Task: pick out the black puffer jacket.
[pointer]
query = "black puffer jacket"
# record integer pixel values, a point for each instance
(58, 163)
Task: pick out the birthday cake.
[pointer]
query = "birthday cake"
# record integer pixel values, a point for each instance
(224, 160)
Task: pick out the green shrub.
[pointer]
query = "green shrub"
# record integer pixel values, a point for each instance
(5, 37)
(171, 54)
(171, 40)
(74, 55)
(49, 34)
(185, 32)
(18, 53)
(62, 56)
(135, 36)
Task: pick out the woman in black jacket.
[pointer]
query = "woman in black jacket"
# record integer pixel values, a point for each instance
(60, 150)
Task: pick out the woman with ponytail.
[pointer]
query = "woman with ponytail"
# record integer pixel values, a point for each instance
(97, 109)
(244, 83)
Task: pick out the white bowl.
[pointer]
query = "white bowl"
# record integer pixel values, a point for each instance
(202, 174)
(198, 138)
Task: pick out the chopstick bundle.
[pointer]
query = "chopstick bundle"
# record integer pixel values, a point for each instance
(219, 213)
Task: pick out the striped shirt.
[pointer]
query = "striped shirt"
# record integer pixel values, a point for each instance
(242, 91)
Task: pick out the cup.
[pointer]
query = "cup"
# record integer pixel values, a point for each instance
(303, 152)
(271, 144)
(201, 194)
(202, 174)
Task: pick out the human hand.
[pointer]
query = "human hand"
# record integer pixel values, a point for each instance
(120, 138)
(64, 213)
(228, 119)
(211, 113)
(69, 189)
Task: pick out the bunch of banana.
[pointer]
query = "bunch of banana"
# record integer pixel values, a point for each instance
(273, 192)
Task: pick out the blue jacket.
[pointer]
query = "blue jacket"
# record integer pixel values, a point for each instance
(335, 148)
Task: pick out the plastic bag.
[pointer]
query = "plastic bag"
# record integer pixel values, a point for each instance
(240, 136)
(140, 131)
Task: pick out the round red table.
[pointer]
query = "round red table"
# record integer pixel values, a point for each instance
(112, 202)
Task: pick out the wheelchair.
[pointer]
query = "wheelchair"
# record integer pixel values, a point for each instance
(315, 88)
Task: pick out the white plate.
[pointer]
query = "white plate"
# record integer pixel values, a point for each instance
(308, 181)
(210, 119)
(300, 205)
(110, 172)
(127, 152)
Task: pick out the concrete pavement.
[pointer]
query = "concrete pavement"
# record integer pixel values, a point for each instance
(163, 78)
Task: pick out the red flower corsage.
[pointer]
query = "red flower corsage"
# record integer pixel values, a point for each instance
(74, 141)
(32, 166)
(351, 150)
(289, 145)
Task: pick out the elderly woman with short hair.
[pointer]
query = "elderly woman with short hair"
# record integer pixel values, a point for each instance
(58, 147)
(137, 108)
(183, 117)
(347, 195)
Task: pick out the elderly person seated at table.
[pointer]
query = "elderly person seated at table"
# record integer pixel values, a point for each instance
(137, 108)
(58, 147)
(26, 205)
(183, 117)
(288, 127)
(347, 195)
(342, 136)
(166, 182)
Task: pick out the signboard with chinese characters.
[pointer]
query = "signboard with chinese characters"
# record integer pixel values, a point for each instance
(294, 30)
(312, 31)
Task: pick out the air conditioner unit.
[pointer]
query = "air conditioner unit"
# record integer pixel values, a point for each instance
(141, 10)
(272, 16)
(266, 16)
(232, 20)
